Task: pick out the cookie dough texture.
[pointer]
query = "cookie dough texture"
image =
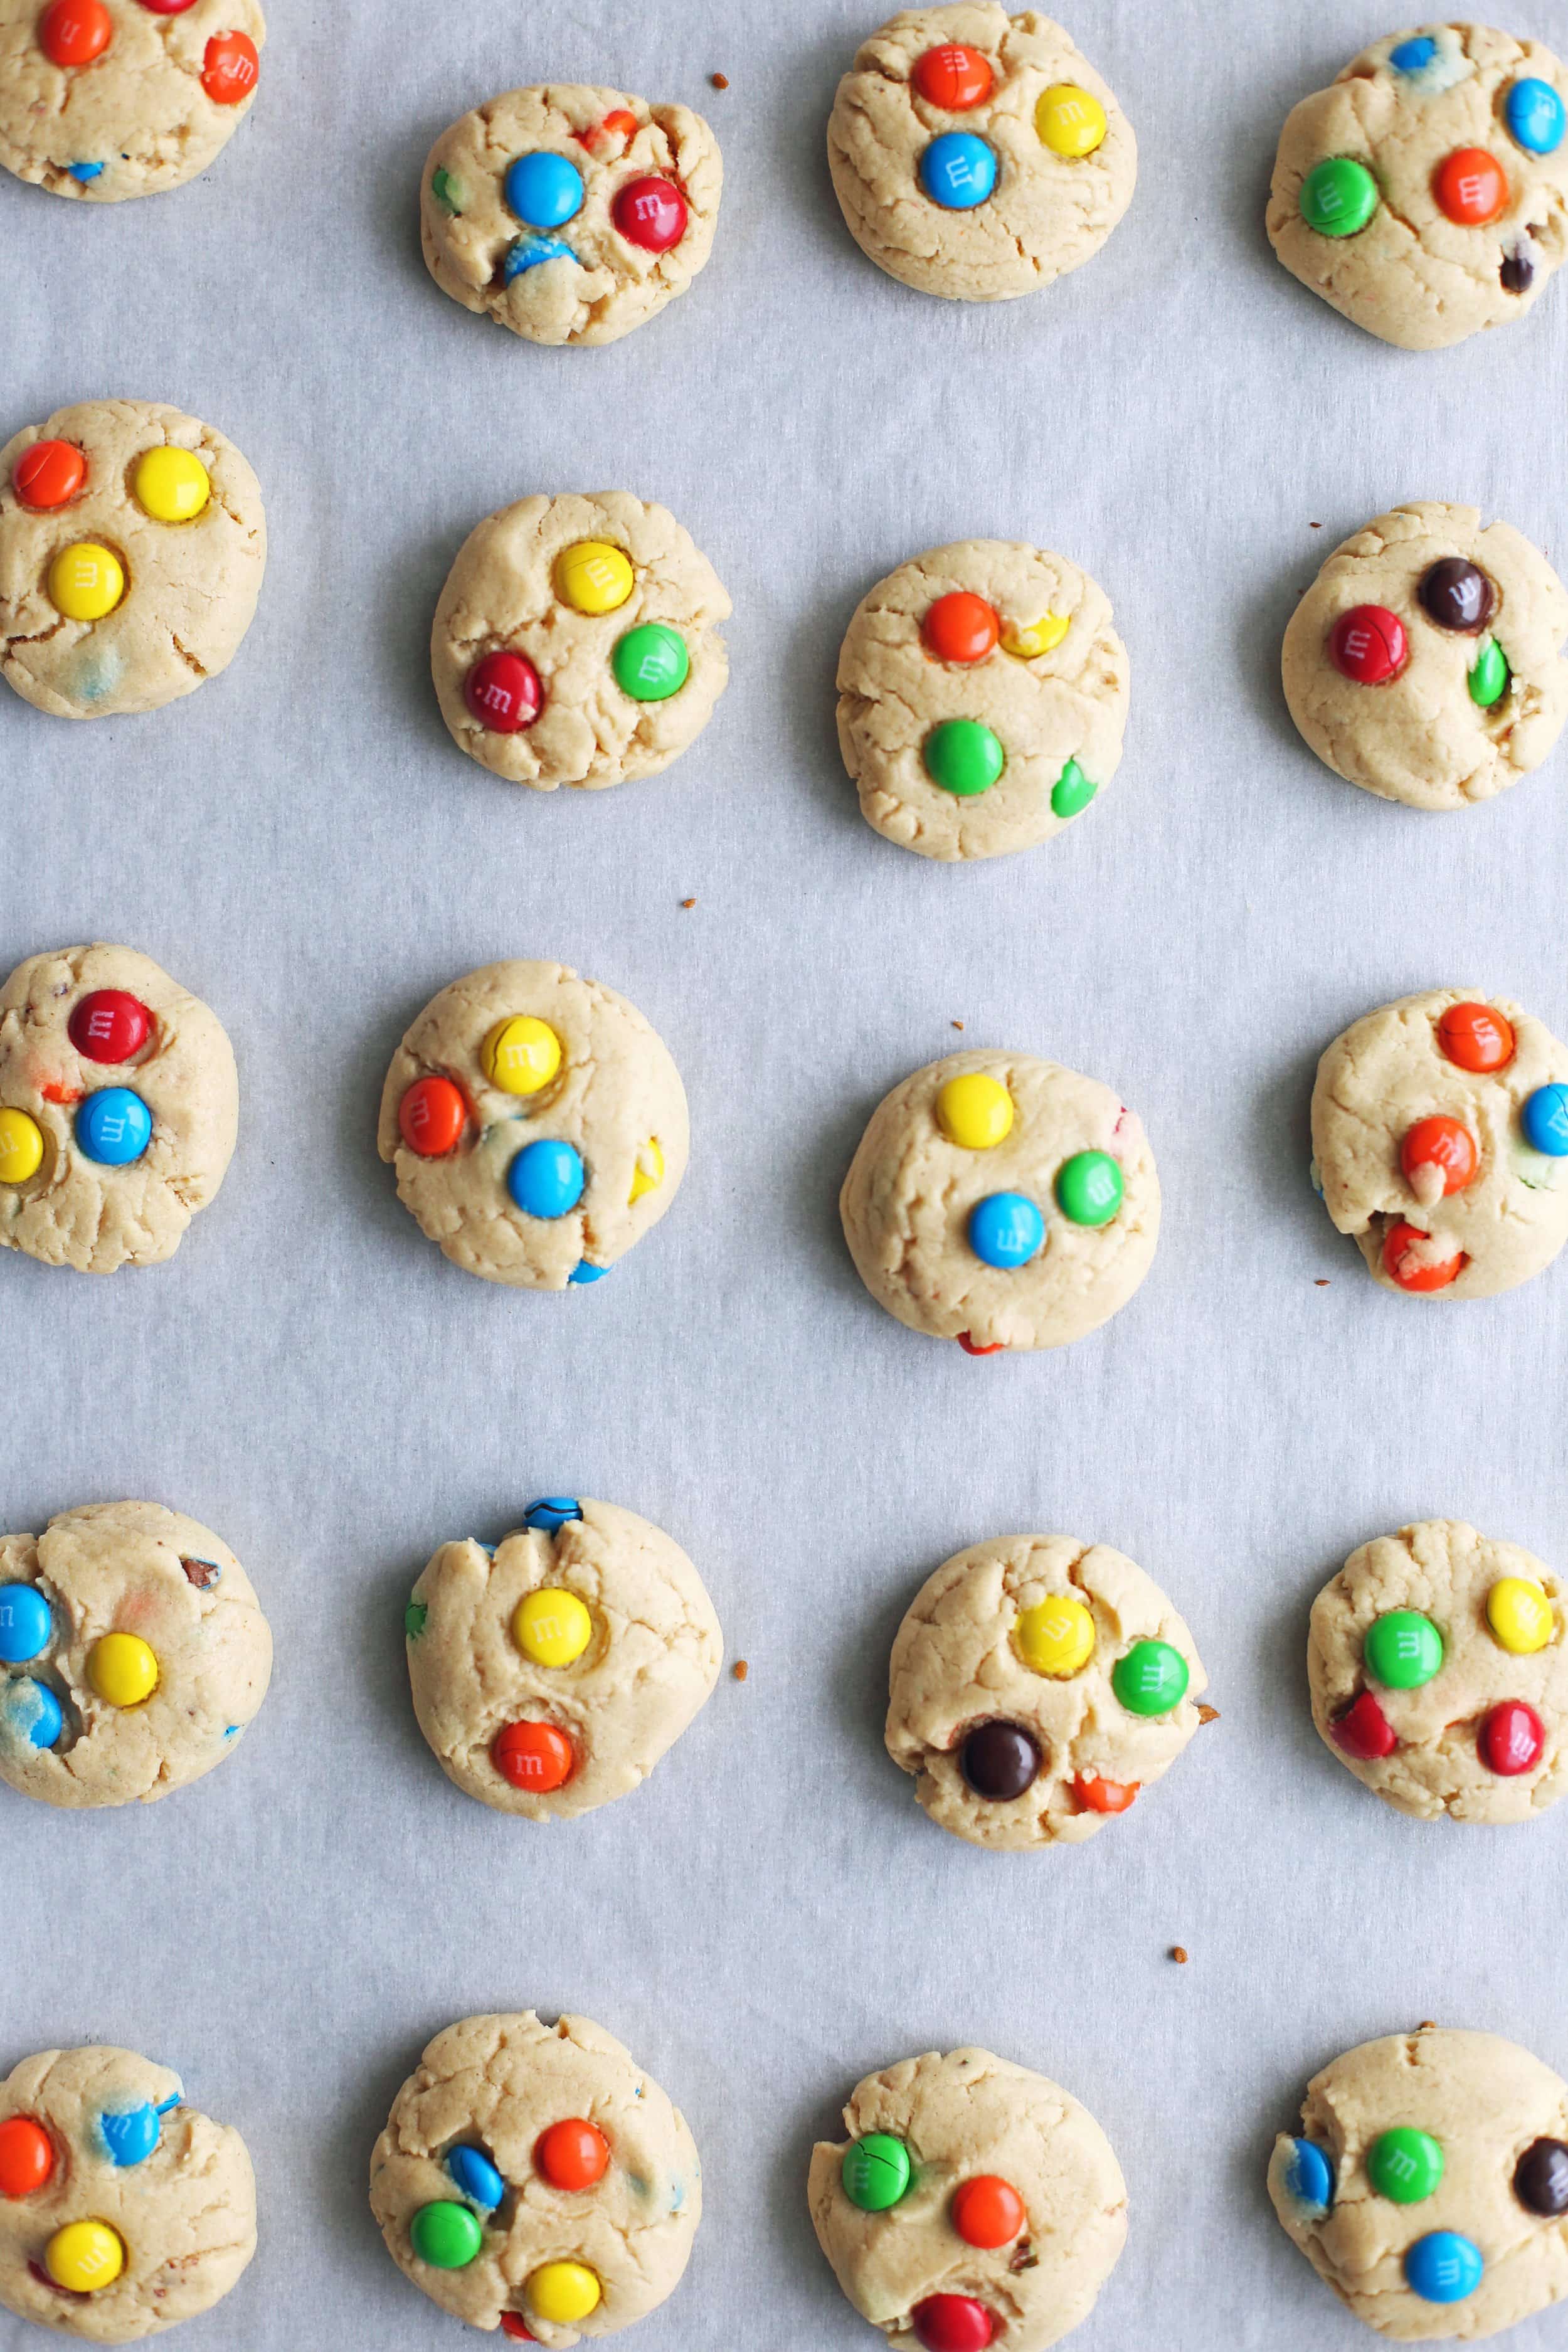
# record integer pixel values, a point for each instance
(956, 1664)
(1386, 1071)
(185, 2214)
(1047, 213)
(190, 587)
(616, 1091)
(963, 2115)
(139, 110)
(606, 285)
(78, 1211)
(1445, 1570)
(1066, 703)
(652, 1662)
(502, 593)
(1421, 738)
(499, 2083)
(1412, 276)
(907, 1196)
(1484, 2100)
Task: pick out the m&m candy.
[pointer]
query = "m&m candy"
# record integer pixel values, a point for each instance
(446, 2235)
(1072, 791)
(521, 1055)
(574, 2154)
(513, 2325)
(1364, 1731)
(544, 190)
(974, 1111)
(431, 1118)
(1311, 2179)
(593, 576)
(964, 757)
(876, 2172)
(108, 1024)
(230, 68)
(960, 628)
(32, 1711)
(87, 581)
(1437, 1156)
(987, 2211)
(1443, 2267)
(1007, 1230)
(532, 250)
(651, 663)
(1414, 57)
(1541, 2178)
(952, 2323)
(1470, 187)
(171, 485)
(533, 1755)
(1490, 674)
(1088, 1188)
(1475, 1037)
(48, 474)
(26, 1624)
(1000, 1760)
(1151, 1679)
(503, 692)
(168, 7)
(551, 1626)
(1534, 114)
(650, 213)
(958, 171)
(1339, 196)
(1041, 636)
(552, 1513)
(1519, 1615)
(1403, 1650)
(1544, 1120)
(1098, 1795)
(1069, 121)
(1056, 1637)
(75, 32)
(85, 2256)
(1404, 2165)
(1455, 595)
(1368, 644)
(1512, 1739)
(477, 2176)
(563, 2293)
(1404, 1264)
(952, 77)
(547, 1179)
(130, 2136)
(27, 2156)
(21, 1146)
(113, 1126)
(122, 1669)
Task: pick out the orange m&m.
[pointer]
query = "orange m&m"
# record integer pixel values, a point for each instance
(229, 67)
(74, 31)
(1437, 1156)
(572, 2155)
(954, 76)
(1104, 1796)
(960, 628)
(431, 1118)
(48, 474)
(27, 2156)
(987, 2212)
(1470, 187)
(533, 1755)
(1475, 1037)
(1410, 1272)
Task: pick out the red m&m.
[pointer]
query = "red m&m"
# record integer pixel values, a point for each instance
(987, 2212)
(952, 2323)
(74, 31)
(27, 2156)
(954, 76)
(168, 7)
(1402, 1263)
(650, 213)
(960, 628)
(1475, 1037)
(517, 2328)
(1512, 1739)
(533, 1755)
(572, 2155)
(1368, 644)
(1470, 187)
(431, 1118)
(1364, 1731)
(1437, 1156)
(229, 67)
(48, 474)
(503, 692)
(109, 1025)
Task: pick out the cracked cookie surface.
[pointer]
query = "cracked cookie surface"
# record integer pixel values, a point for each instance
(107, 2166)
(968, 2181)
(99, 1043)
(1462, 630)
(981, 698)
(1424, 192)
(587, 2182)
(576, 641)
(519, 1725)
(184, 592)
(944, 104)
(643, 182)
(148, 110)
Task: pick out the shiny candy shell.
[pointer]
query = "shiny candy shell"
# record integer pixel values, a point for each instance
(1041, 636)
(1544, 1120)
(1534, 114)
(544, 190)
(109, 1025)
(502, 692)
(132, 2135)
(48, 474)
(650, 663)
(21, 1146)
(1512, 1739)
(592, 576)
(572, 2155)
(1456, 595)
(1519, 1615)
(876, 2172)
(230, 68)
(952, 77)
(1100, 1796)
(547, 1180)
(563, 2293)
(85, 2256)
(1056, 1637)
(171, 485)
(960, 628)
(551, 1626)
(122, 1669)
(1368, 644)
(1443, 2267)
(1411, 1271)
(650, 213)
(446, 2235)
(27, 2156)
(476, 2177)
(1001, 1761)
(952, 2323)
(535, 1757)
(1404, 2165)
(1072, 792)
(523, 1056)
(1470, 187)
(964, 757)
(1439, 1148)
(987, 2211)
(1069, 121)
(974, 1110)
(33, 1709)
(1151, 1679)
(26, 1624)
(552, 1513)
(1541, 2178)
(1312, 2177)
(431, 1118)
(1403, 1650)
(1007, 1230)
(1475, 1037)
(1339, 196)
(1490, 674)
(1364, 1731)
(75, 32)
(958, 171)
(1089, 1188)
(113, 1126)
(86, 582)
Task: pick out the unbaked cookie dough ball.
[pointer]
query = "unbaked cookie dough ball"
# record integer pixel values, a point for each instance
(1002, 1202)
(976, 154)
(974, 2203)
(537, 1125)
(122, 2211)
(1424, 192)
(110, 98)
(1441, 1142)
(981, 698)
(550, 1672)
(569, 214)
(532, 2178)
(1438, 1668)
(1426, 661)
(1429, 2185)
(1038, 1684)
(119, 1106)
(576, 641)
(132, 1655)
(132, 544)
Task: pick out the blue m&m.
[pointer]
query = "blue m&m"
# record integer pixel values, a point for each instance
(113, 1126)
(477, 2176)
(1414, 57)
(583, 1272)
(1443, 2267)
(1310, 2176)
(1006, 1229)
(544, 190)
(958, 171)
(30, 1711)
(549, 1514)
(547, 1177)
(1544, 1120)
(1534, 114)
(529, 251)
(131, 2136)
(26, 1624)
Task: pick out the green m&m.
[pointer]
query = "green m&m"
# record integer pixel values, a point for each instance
(1404, 2165)
(1489, 676)
(445, 2236)
(964, 758)
(1402, 1649)
(1339, 196)
(414, 1617)
(1088, 1188)
(651, 662)
(876, 2171)
(1151, 1679)
(1071, 792)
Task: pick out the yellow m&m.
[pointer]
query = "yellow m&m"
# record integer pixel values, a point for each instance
(649, 1174)
(563, 2293)
(1039, 637)
(1519, 1615)
(1070, 120)
(123, 1670)
(86, 582)
(1055, 1636)
(85, 2256)
(551, 1626)
(592, 576)
(21, 1146)
(523, 1056)
(171, 485)
(974, 1111)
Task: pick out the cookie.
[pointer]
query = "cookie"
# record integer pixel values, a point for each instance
(977, 155)
(1424, 192)
(537, 1125)
(1002, 1202)
(532, 2178)
(1438, 1668)
(1429, 2185)
(1036, 1684)
(576, 641)
(132, 544)
(1439, 1141)
(111, 99)
(118, 1106)
(981, 698)
(550, 1672)
(569, 214)
(1425, 662)
(974, 2203)
(122, 2211)
(132, 1655)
